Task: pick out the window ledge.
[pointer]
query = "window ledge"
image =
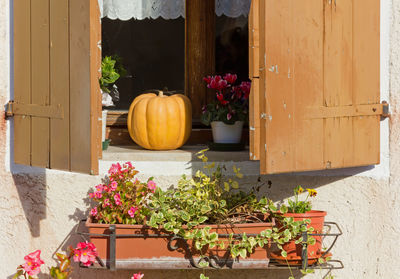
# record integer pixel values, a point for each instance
(185, 154)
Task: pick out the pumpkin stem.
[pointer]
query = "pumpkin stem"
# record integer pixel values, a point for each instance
(160, 93)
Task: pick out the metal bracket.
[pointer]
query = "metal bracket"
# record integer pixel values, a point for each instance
(348, 111)
(12, 108)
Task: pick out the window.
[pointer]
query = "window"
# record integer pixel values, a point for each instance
(315, 72)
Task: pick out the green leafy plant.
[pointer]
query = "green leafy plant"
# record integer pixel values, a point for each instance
(299, 206)
(188, 210)
(111, 70)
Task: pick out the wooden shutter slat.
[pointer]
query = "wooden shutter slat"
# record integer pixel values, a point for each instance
(59, 83)
(338, 83)
(95, 93)
(22, 74)
(366, 79)
(254, 74)
(40, 80)
(80, 75)
(320, 86)
(254, 39)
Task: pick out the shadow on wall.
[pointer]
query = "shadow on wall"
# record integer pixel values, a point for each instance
(31, 189)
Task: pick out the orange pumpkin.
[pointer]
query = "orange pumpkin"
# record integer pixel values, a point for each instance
(160, 122)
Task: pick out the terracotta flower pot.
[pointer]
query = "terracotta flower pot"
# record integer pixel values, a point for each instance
(294, 250)
(148, 248)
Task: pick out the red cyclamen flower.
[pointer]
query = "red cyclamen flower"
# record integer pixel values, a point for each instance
(230, 78)
(218, 83)
(86, 253)
(220, 98)
(32, 263)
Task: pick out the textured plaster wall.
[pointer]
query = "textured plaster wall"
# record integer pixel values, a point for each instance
(39, 208)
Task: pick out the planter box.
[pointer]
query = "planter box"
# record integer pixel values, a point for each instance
(141, 247)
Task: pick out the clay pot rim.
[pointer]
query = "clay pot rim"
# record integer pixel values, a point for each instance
(271, 224)
(309, 214)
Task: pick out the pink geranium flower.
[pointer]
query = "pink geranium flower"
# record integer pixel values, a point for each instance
(93, 212)
(86, 253)
(115, 168)
(132, 211)
(32, 263)
(137, 276)
(117, 199)
(114, 186)
(151, 185)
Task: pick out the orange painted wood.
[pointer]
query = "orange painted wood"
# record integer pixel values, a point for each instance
(254, 120)
(262, 83)
(95, 93)
(366, 79)
(320, 86)
(254, 73)
(199, 51)
(22, 80)
(59, 84)
(254, 39)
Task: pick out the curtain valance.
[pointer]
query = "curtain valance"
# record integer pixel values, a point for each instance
(167, 9)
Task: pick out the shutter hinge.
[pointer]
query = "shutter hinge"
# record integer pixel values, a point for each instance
(9, 109)
(12, 109)
(385, 110)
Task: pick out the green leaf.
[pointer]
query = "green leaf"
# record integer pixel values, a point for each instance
(18, 274)
(203, 264)
(202, 276)
(226, 186)
(202, 219)
(243, 253)
(284, 254)
(205, 209)
(214, 236)
(235, 185)
(284, 209)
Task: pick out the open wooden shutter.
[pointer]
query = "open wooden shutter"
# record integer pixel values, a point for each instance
(57, 103)
(254, 75)
(319, 89)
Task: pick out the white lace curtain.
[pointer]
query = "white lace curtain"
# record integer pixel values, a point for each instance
(167, 9)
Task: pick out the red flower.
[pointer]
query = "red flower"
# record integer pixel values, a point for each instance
(86, 253)
(230, 78)
(220, 98)
(245, 87)
(218, 83)
(207, 79)
(32, 263)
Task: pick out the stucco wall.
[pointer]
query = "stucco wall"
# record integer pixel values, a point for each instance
(39, 208)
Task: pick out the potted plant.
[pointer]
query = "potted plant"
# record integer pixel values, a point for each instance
(292, 217)
(111, 70)
(201, 222)
(206, 221)
(228, 112)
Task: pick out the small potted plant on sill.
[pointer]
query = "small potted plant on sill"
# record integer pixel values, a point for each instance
(229, 111)
(111, 70)
(298, 217)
